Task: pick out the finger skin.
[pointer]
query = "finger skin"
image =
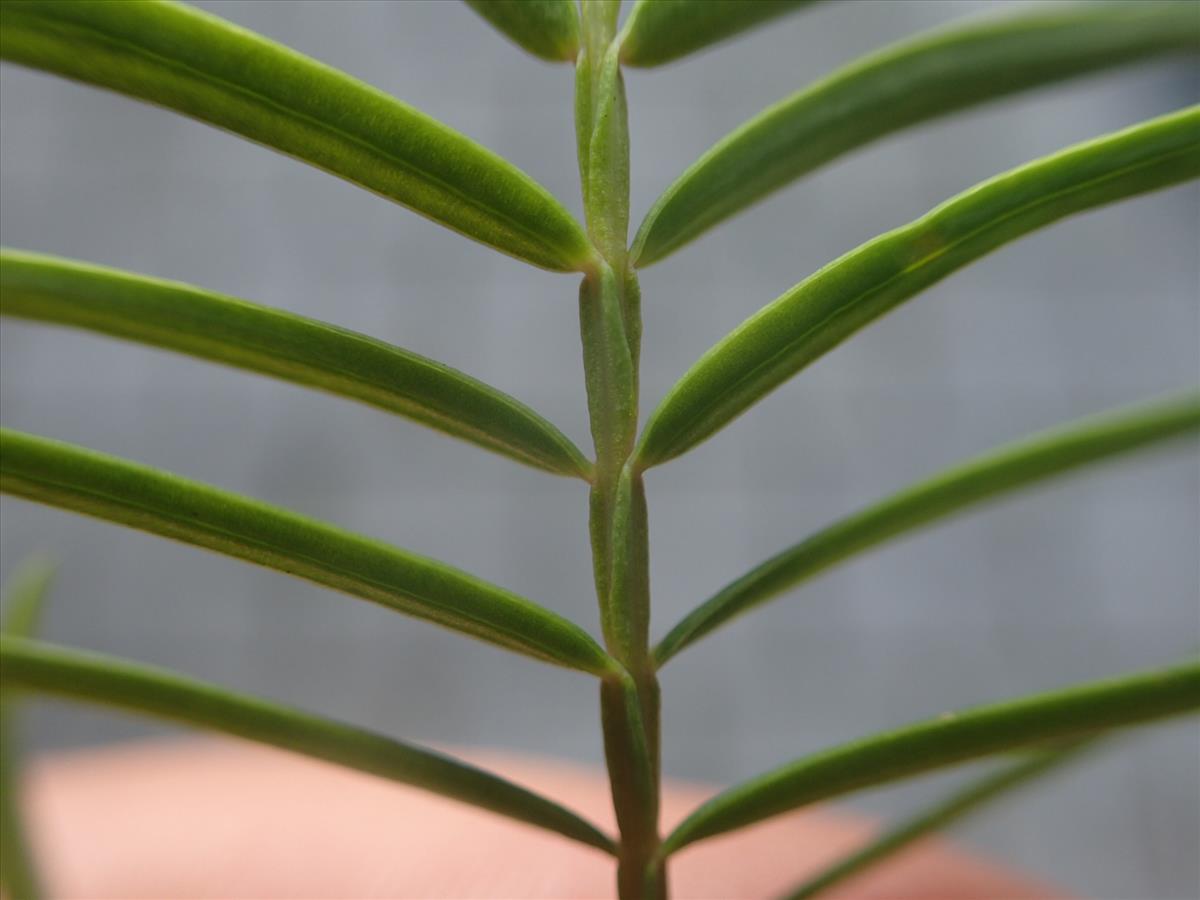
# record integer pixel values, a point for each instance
(218, 818)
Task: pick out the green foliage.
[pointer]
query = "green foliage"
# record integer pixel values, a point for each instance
(659, 31)
(222, 329)
(849, 293)
(108, 488)
(906, 84)
(33, 665)
(949, 739)
(546, 28)
(201, 66)
(948, 812)
(198, 65)
(24, 597)
(950, 491)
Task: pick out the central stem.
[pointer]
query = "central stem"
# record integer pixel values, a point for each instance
(610, 326)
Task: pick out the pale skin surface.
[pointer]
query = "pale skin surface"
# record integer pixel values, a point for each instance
(215, 818)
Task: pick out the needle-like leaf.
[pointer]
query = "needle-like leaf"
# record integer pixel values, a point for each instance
(949, 739)
(546, 28)
(204, 67)
(46, 668)
(849, 293)
(23, 599)
(983, 478)
(659, 31)
(24, 596)
(98, 485)
(223, 329)
(903, 85)
(949, 811)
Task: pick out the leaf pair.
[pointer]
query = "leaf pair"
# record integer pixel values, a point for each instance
(98, 485)
(206, 68)
(849, 293)
(908, 83)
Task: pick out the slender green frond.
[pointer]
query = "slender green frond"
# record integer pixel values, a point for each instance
(546, 28)
(949, 739)
(953, 809)
(204, 67)
(49, 669)
(24, 596)
(849, 293)
(659, 31)
(223, 329)
(983, 478)
(98, 485)
(906, 84)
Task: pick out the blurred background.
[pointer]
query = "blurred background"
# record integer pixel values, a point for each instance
(1086, 577)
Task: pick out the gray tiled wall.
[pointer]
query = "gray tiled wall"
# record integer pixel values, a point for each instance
(1087, 577)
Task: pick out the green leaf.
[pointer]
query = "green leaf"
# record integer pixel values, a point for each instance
(983, 478)
(46, 668)
(546, 28)
(949, 739)
(108, 488)
(214, 71)
(849, 293)
(223, 329)
(24, 595)
(949, 811)
(905, 84)
(659, 31)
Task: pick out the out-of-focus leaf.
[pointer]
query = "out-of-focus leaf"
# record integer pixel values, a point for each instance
(953, 809)
(906, 84)
(851, 292)
(46, 668)
(546, 28)
(223, 329)
(204, 67)
(108, 488)
(659, 31)
(24, 596)
(949, 739)
(984, 478)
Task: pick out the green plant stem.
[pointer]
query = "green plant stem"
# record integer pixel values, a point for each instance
(610, 328)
